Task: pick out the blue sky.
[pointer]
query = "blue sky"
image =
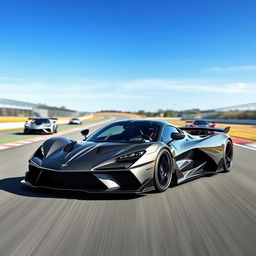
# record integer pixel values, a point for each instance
(128, 55)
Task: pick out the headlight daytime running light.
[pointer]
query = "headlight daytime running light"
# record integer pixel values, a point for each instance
(42, 150)
(132, 155)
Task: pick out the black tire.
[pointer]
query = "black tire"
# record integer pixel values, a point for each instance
(163, 171)
(228, 156)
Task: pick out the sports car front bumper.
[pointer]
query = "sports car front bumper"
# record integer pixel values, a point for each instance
(136, 180)
(42, 130)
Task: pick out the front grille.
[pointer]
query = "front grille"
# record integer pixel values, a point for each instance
(70, 180)
(79, 180)
(36, 130)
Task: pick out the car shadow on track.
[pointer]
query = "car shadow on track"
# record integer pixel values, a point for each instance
(12, 185)
(31, 133)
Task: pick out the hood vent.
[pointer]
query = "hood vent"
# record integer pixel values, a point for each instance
(107, 149)
(69, 147)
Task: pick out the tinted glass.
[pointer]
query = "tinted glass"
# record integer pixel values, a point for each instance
(201, 123)
(41, 121)
(166, 135)
(127, 132)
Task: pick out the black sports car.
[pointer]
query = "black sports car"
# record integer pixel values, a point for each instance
(132, 156)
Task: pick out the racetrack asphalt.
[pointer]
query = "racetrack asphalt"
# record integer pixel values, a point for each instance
(214, 215)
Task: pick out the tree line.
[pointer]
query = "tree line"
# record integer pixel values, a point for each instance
(194, 113)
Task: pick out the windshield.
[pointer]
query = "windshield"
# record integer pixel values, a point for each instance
(126, 132)
(201, 122)
(41, 121)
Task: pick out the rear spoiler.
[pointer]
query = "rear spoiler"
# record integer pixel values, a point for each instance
(33, 118)
(206, 129)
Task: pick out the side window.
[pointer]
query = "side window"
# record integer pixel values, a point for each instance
(166, 134)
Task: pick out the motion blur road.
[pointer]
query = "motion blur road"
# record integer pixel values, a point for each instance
(213, 215)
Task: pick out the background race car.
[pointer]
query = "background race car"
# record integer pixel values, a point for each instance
(41, 125)
(75, 121)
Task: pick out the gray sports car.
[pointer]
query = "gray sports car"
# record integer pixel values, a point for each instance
(41, 125)
(134, 156)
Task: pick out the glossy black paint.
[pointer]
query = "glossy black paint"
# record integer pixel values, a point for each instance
(122, 167)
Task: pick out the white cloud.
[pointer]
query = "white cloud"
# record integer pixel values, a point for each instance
(141, 88)
(6, 78)
(233, 68)
(189, 86)
(131, 94)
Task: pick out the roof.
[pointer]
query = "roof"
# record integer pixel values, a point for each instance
(157, 122)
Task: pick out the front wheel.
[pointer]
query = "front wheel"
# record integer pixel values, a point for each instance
(163, 171)
(228, 156)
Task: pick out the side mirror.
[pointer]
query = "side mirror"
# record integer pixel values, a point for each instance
(85, 132)
(177, 136)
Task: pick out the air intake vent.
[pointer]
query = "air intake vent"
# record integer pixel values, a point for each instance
(69, 147)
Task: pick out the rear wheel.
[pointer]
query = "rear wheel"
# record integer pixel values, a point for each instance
(228, 156)
(163, 171)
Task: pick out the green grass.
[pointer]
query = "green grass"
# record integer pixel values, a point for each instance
(18, 138)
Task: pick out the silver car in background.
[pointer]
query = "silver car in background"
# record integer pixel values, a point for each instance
(75, 121)
(41, 125)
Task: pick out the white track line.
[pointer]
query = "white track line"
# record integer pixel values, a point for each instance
(3, 147)
(244, 146)
(23, 142)
(12, 144)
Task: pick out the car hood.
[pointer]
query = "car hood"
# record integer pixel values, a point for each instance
(88, 155)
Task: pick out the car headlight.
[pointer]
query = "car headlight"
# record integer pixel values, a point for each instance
(42, 150)
(133, 155)
(48, 125)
